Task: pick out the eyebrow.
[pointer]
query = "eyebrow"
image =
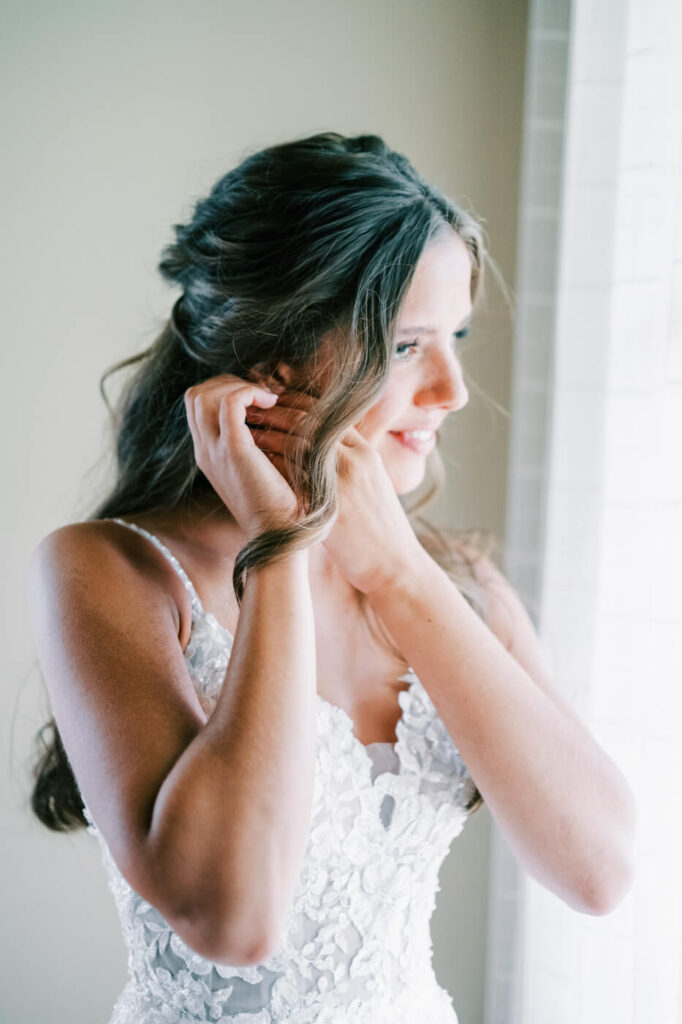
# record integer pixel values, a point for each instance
(428, 329)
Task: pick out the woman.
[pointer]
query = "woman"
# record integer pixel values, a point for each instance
(278, 702)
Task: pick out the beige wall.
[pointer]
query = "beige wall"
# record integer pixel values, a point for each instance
(114, 117)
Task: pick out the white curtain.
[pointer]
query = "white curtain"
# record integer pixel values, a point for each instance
(594, 530)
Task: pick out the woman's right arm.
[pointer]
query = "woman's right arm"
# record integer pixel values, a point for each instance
(207, 819)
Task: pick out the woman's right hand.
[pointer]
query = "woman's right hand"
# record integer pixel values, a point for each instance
(243, 476)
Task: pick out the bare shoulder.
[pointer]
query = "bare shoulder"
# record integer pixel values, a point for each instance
(105, 625)
(101, 558)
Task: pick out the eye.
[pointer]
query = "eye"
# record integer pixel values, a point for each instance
(404, 346)
(413, 345)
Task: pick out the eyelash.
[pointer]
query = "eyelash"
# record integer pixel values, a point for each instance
(413, 344)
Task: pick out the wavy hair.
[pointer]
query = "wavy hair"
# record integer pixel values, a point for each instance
(304, 238)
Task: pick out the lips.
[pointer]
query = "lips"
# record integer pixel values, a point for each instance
(420, 441)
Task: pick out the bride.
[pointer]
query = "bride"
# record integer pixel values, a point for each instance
(277, 693)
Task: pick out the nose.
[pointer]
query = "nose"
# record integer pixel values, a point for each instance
(444, 386)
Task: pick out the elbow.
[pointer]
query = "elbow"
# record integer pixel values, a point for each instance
(217, 919)
(223, 942)
(607, 887)
(605, 891)
(210, 927)
(608, 896)
(245, 947)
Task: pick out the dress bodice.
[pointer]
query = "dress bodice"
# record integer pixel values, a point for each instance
(355, 946)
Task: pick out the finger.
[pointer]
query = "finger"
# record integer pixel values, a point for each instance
(221, 382)
(203, 417)
(274, 440)
(233, 416)
(297, 399)
(287, 419)
(259, 396)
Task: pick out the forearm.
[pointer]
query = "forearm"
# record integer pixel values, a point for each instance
(234, 812)
(563, 805)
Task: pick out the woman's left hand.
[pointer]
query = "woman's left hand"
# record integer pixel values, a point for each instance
(371, 539)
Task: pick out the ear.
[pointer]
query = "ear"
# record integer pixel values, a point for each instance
(284, 374)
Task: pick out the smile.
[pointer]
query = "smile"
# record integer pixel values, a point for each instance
(420, 441)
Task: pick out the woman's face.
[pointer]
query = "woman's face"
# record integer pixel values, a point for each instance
(426, 380)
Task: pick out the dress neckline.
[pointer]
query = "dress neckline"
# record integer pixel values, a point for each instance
(198, 609)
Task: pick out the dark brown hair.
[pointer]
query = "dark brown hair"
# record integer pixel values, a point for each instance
(302, 238)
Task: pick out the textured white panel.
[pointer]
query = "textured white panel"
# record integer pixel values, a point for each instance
(646, 139)
(673, 368)
(583, 325)
(669, 462)
(625, 567)
(631, 435)
(611, 597)
(657, 915)
(589, 212)
(640, 318)
(573, 534)
(644, 225)
(577, 445)
(621, 662)
(677, 188)
(661, 702)
(599, 39)
(650, 26)
(666, 561)
(596, 142)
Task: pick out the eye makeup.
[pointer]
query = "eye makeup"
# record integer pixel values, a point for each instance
(458, 335)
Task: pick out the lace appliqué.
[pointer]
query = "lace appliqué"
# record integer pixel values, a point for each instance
(355, 946)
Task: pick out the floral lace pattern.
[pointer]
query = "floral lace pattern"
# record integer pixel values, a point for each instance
(355, 946)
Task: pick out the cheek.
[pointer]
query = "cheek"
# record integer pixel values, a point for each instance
(384, 415)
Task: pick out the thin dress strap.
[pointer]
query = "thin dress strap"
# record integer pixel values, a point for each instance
(187, 583)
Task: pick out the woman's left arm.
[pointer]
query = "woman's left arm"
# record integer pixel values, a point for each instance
(563, 805)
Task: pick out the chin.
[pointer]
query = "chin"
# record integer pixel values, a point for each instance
(406, 469)
(405, 483)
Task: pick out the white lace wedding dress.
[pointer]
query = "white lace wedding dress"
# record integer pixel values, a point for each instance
(355, 947)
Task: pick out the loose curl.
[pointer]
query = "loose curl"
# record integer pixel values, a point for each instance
(310, 238)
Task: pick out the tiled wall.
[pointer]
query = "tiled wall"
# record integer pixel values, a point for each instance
(595, 519)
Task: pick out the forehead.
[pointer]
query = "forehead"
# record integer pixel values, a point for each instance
(441, 285)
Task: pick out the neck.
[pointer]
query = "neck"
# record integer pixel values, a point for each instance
(211, 529)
